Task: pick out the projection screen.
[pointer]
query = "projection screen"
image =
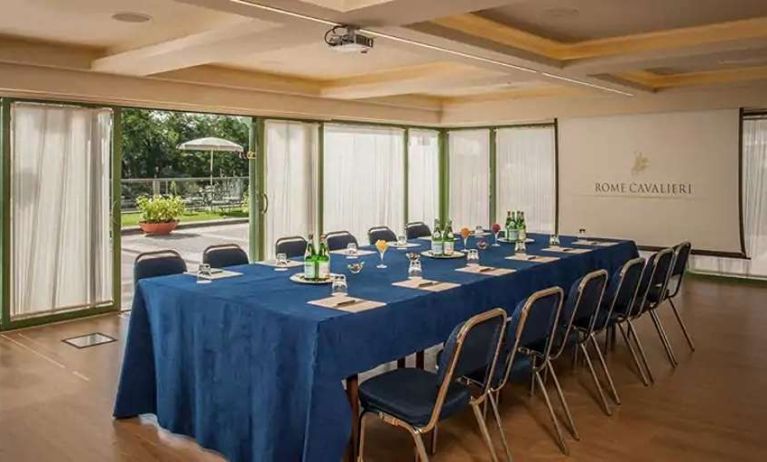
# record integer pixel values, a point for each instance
(658, 179)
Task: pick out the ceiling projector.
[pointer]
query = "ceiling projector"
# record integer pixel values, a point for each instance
(346, 39)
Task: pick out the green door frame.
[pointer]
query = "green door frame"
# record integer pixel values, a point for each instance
(6, 323)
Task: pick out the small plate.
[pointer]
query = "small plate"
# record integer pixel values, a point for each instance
(456, 254)
(299, 278)
(529, 240)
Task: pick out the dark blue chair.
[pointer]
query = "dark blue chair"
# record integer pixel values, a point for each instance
(377, 233)
(157, 263)
(654, 288)
(223, 255)
(292, 246)
(681, 256)
(338, 240)
(417, 400)
(417, 229)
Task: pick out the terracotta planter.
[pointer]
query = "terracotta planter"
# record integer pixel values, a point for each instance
(158, 228)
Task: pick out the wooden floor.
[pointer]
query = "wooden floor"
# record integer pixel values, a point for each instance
(56, 401)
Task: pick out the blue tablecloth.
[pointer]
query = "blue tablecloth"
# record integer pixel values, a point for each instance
(248, 368)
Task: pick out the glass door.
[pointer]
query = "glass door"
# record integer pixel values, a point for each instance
(60, 246)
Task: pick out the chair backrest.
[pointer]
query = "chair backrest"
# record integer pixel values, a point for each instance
(533, 322)
(292, 246)
(473, 345)
(223, 255)
(338, 240)
(664, 263)
(157, 263)
(582, 304)
(417, 229)
(623, 288)
(681, 256)
(381, 232)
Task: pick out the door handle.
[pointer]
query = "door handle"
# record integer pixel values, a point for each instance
(266, 203)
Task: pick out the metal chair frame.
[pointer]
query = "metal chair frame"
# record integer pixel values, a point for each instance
(475, 402)
(156, 254)
(215, 247)
(678, 249)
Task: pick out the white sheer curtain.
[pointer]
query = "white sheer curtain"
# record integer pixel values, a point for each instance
(526, 175)
(423, 175)
(291, 180)
(363, 179)
(61, 251)
(469, 165)
(754, 208)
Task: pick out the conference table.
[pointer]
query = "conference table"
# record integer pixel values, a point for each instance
(247, 367)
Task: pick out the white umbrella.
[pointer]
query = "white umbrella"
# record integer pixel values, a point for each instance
(211, 144)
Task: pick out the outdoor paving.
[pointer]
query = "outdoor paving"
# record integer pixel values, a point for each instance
(189, 242)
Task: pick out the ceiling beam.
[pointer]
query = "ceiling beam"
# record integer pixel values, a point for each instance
(687, 79)
(216, 45)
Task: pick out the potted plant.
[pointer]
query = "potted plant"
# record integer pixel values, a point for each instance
(159, 214)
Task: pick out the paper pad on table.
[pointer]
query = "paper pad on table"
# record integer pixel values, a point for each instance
(360, 252)
(566, 250)
(289, 264)
(346, 303)
(217, 274)
(426, 284)
(596, 243)
(487, 270)
(532, 258)
(394, 245)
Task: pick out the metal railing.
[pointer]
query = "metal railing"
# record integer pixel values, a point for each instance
(197, 193)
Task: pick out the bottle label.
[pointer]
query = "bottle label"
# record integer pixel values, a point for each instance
(436, 247)
(512, 235)
(324, 269)
(522, 234)
(309, 270)
(449, 247)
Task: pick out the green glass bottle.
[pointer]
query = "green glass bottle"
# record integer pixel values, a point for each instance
(436, 239)
(448, 239)
(310, 259)
(323, 259)
(521, 226)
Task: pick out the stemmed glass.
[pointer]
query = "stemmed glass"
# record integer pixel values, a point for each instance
(282, 262)
(465, 232)
(351, 250)
(381, 245)
(472, 258)
(203, 274)
(496, 232)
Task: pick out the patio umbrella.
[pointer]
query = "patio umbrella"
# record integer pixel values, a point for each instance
(211, 145)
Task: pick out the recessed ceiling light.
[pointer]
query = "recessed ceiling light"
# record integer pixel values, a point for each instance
(129, 16)
(561, 13)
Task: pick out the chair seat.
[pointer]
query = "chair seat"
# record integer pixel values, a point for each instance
(409, 394)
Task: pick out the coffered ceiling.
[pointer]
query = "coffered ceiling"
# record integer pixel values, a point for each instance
(443, 49)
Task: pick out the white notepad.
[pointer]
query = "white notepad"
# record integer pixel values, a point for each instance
(346, 303)
(426, 284)
(486, 270)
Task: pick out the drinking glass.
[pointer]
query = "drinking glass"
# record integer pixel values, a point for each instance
(282, 262)
(479, 230)
(339, 288)
(401, 241)
(203, 274)
(415, 270)
(582, 234)
(472, 258)
(351, 250)
(520, 248)
(381, 246)
(554, 240)
(495, 242)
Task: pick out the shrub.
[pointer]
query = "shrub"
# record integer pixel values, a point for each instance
(160, 209)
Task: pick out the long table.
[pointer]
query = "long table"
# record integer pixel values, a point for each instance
(248, 368)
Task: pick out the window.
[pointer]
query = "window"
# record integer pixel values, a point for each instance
(469, 165)
(526, 176)
(423, 176)
(363, 179)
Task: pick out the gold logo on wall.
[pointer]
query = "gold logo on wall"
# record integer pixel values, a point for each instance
(640, 164)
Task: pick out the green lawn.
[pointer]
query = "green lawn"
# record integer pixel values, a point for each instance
(132, 218)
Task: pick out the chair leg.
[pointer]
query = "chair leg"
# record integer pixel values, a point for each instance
(562, 400)
(554, 419)
(663, 337)
(633, 332)
(361, 449)
(682, 325)
(433, 440)
(596, 379)
(639, 366)
(609, 376)
(494, 405)
(419, 446)
(483, 430)
(533, 360)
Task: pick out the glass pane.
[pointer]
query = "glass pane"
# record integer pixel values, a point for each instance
(291, 183)
(364, 179)
(526, 176)
(469, 178)
(423, 176)
(61, 252)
